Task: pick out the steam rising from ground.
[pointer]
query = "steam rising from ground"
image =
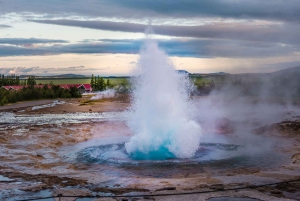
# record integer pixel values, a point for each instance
(237, 119)
(161, 116)
(109, 93)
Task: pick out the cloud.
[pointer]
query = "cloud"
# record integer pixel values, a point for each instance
(3, 26)
(288, 10)
(278, 33)
(20, 51)
(103, 25)
(175, 47)
(36, 70)
(28, 41)
(76, 67)
(19, 70)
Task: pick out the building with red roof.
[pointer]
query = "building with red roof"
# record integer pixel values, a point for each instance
(81, 87)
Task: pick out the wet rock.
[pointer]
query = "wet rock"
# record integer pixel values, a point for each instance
(68, 131)
(232, 199)
(275, 192)
(49, 180)
(290, 128)
(296, 158)
(170, 188)
(283, 190)
(90, 110)
(118, 191)
(105, 199)
(6, 179)
(148, 198)
(34, 188)
(58, 144)
(39, 155)
(71, 192)
(218, 187)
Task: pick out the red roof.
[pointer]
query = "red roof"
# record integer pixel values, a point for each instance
(87, 87)
(65, 86)
(6, 87)
(14, 87)
(17, 87)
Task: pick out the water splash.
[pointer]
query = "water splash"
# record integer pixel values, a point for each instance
(161, 116)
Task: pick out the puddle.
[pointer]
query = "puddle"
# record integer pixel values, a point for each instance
(54, 103)
(5, 179)
(15, 194)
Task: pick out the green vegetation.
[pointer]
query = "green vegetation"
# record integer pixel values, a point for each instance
(10, 80)
(31, 81)
(113, 81)
(31, 93)
(50, 87)
(198, 80)
(98, 83)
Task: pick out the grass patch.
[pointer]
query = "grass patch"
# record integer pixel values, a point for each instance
(87, 102)
(113, 81)
(200, 80)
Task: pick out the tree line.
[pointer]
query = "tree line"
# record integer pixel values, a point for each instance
(30, 92)
(98, 83)
(11, 80)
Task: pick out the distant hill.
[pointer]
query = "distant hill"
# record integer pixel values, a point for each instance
(71, 76)
(63, 76)
(286, 81)
(288, 71)
(209, 74)
(282, 83)
(219, 73)
(182, 72)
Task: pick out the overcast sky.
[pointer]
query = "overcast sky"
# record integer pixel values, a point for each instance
(46, 37)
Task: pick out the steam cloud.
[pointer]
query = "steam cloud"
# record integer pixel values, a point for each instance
(161, 116)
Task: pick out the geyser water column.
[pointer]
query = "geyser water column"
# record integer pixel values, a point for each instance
(161, 115)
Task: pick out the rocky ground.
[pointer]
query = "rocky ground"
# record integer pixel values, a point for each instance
(32, 164)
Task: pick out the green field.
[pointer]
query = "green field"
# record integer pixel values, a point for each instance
(200, 80)
(113, 81)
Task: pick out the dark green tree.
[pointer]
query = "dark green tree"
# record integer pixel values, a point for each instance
(93, 81)
(107, 83)
(102, 84)
(31, 81)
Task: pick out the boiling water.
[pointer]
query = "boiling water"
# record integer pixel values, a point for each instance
(111, 158)
(161, 116)
(116, 154)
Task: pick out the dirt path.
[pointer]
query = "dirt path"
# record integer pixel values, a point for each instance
(23, 105)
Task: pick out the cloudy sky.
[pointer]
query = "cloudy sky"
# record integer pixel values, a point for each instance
(47, 37)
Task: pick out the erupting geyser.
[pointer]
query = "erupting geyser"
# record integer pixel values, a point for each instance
(161, 116)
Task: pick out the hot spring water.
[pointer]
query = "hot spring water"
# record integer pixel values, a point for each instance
(161, 116)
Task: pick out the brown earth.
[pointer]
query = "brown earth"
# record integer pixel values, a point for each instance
(33, 159)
